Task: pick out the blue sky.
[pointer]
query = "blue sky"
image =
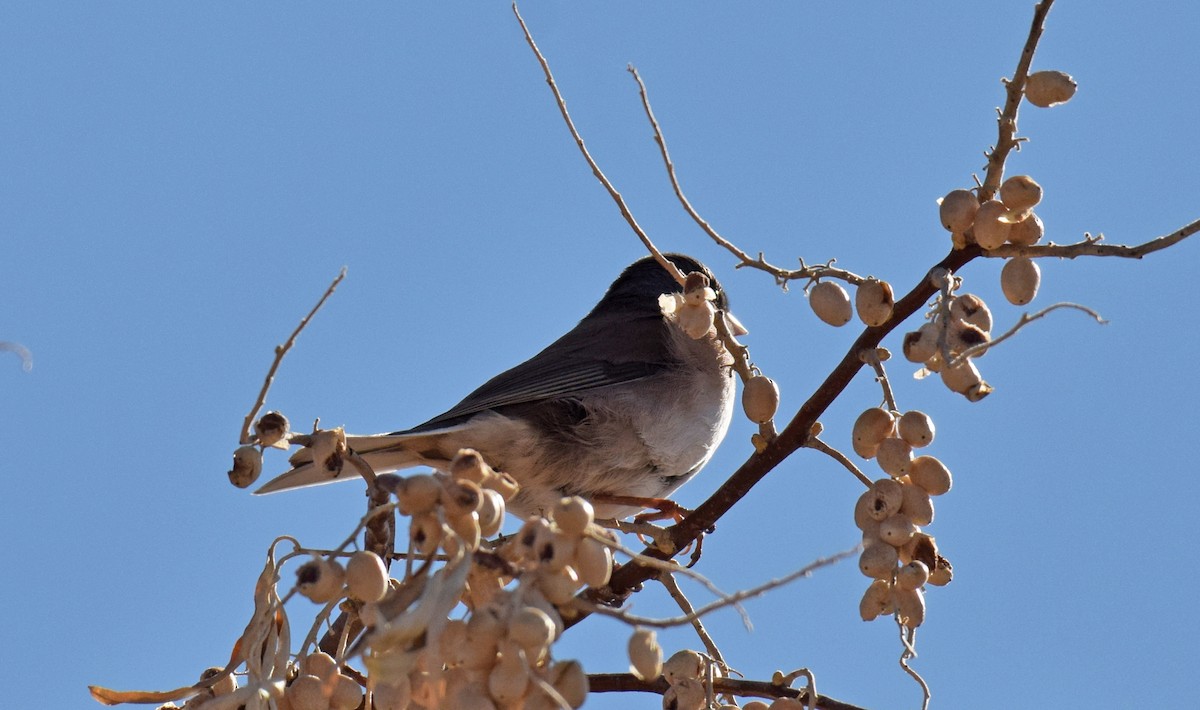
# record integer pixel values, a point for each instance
(180, 181)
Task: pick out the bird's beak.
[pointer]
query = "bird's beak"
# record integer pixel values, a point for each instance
(735, 326)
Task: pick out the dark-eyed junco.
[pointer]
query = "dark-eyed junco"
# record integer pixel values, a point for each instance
(625, 404)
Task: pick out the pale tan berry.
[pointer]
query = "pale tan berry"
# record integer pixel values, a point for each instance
(687, 694)
(504, 484)
(418, 494)
(347, 695)
(307, 692)
(366, 576)
(645, 655)
(874, 301)
(533, 629)
(571, 682)
(930, 474)
(894, 455)
(508, 681)
(1020, 279)
(916, 428)
(1028, 231)
(897, 529)
(961, 336)
(683, 665)
(912, 575)
(957, 210)
(425, 533)
(917, 504)
(870, 429)
(573, 515)
(878, 561)
(760, 399)
(1049, 88)
(1020, 193)
(593, 561)
(962, 377)
(876, 601)
(991, 226)
(831, 303)
(910, 606)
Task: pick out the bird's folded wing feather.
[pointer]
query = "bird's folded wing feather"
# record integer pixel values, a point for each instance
(599, 352)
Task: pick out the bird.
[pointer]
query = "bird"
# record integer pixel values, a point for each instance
(624, 404)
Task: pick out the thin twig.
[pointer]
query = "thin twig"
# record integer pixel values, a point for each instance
(732, 599)
(671, 584)
(612, 191)
(782, 276)
(1023, 321)
(818, 445)
(668, 567)
(908, 638)
(874, 358)
(280, 351)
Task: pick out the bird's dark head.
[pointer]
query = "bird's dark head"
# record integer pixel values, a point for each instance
(642, 282)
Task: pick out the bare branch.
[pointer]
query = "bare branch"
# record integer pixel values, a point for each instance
(627, 682)
(669, 582)
(1007, 122)
(280, 351)
(612, 191)
(1091, 246)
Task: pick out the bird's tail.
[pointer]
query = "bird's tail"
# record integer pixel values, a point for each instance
(384, 452)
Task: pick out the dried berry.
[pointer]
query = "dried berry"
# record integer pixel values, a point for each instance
(366, 576)
(1020, 193)
(972, 309)
(1049, 88)
(760, 399)
(645, 655)
(912, 575)
(916, 428)
(874, 301)
(272, 429)
(870, 429)
(247, 465)
(573, 515)
(320, 579)
(1020, 279)
(1028, 231)
(830, 302)
(878, 561)
(991, 224)
(894, 455)
(930, 474)
(957, 210)
(876, 601)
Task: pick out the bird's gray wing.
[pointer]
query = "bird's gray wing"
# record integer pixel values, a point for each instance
(599, 352)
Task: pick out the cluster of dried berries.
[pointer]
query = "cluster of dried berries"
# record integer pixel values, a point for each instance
(897, 554)
(994, 223)
(964, 323)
